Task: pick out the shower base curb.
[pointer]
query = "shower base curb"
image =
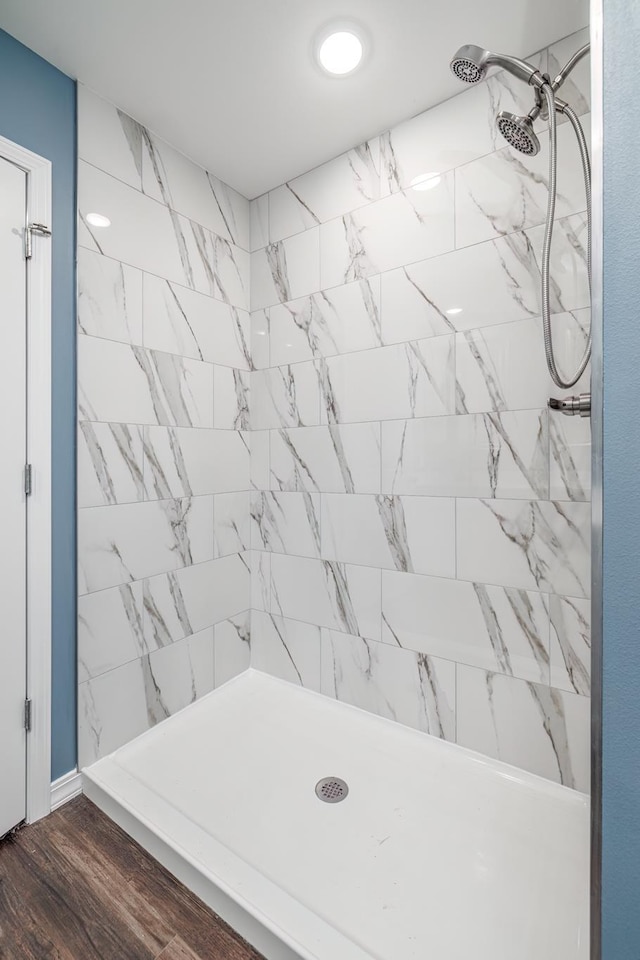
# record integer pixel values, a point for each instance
(223, 795)
(234, 910)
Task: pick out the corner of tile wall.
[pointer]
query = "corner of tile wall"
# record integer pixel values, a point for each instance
(164, 359)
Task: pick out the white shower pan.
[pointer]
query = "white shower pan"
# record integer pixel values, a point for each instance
(436, 851)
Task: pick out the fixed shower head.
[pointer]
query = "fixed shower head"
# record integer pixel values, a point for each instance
(518, 132)
(469, 63)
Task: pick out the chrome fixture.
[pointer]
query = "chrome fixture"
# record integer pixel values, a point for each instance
(331, 789)
(470, 64)
(579, 406)
(518, 131)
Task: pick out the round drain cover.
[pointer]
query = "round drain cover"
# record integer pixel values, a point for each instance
(331, 789)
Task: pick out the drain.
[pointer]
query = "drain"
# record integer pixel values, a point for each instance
(331, 789)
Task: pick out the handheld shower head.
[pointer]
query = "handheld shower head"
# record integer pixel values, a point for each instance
(518, 132)
(469, 63)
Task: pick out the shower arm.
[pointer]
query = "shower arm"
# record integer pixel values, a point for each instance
(530, 75)
(518, 68)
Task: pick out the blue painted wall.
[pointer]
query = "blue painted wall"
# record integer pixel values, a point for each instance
(38, 111)
(621, 581)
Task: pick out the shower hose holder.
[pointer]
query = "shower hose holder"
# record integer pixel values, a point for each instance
(577, 406)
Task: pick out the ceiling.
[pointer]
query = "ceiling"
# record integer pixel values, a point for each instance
(232, 83)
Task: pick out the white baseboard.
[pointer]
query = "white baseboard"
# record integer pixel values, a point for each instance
(65, 788)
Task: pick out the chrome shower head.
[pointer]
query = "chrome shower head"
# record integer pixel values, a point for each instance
(518, 132)
(469, 63)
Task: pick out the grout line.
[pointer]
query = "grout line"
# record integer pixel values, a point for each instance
(394, 572)
(158, 500)
(405, 188)
(170, 280)
(455, 536)
(169, 353)
(451, 334)
(488, 670)
(456, 702)
(529, 497)
(251, 308)
(581, 214)
(168, 206)
(150, 653)
(165, 573)
(455, 210)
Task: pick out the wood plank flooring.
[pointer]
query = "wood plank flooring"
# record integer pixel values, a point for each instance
(75, 887)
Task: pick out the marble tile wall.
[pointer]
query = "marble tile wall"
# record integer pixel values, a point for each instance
(164, 360)
(419, 524)
(313, 436)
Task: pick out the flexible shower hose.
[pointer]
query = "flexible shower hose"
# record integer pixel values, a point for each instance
(547, 89)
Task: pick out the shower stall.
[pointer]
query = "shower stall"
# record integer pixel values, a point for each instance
(334, 526)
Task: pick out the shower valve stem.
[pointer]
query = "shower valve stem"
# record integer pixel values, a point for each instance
(579, 406)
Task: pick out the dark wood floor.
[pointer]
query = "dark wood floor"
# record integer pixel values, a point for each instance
(75, 887)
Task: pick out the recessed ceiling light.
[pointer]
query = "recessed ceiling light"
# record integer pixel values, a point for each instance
(454, 310)
(426, 181)
(340, 52)
(98, 220)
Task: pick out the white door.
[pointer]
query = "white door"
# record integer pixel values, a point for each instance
(13, 554)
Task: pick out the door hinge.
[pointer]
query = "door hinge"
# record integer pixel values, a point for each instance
(27, 715)
(40, 230)
(28, 479)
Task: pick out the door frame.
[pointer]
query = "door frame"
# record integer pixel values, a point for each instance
(38, 504)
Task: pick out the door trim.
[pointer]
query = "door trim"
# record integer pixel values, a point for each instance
(39, 210)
